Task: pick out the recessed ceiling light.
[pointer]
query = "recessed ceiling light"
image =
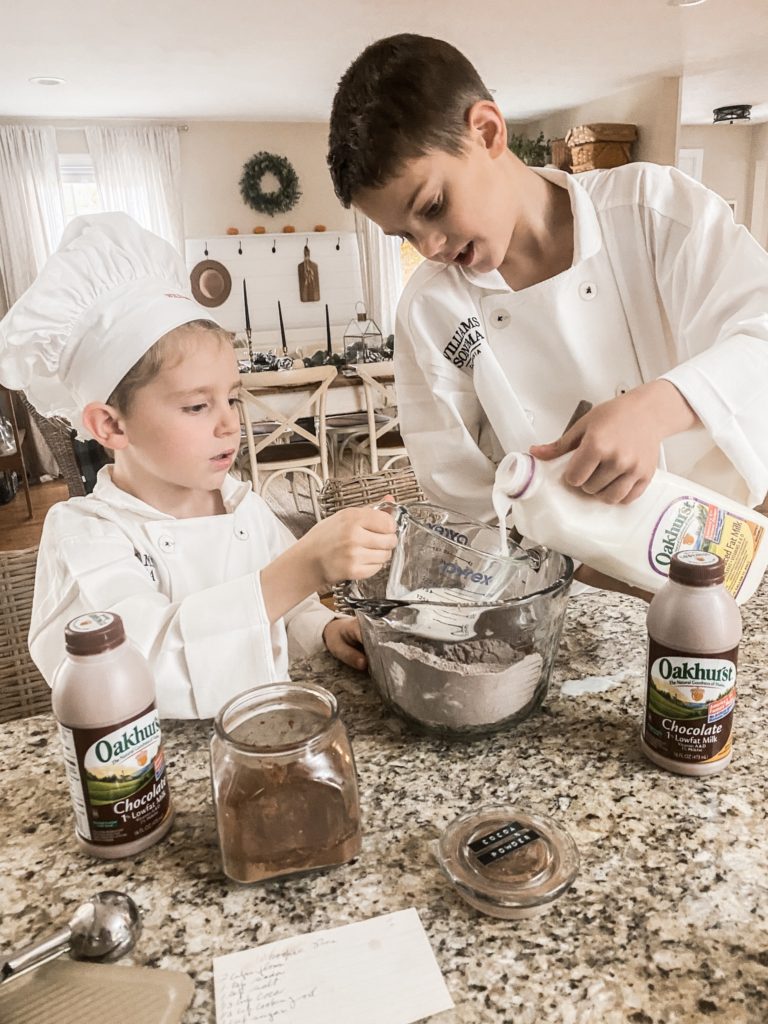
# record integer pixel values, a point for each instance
(685, 3)
(46, 80)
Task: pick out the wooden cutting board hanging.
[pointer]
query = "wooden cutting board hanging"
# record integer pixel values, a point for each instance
(309, 279)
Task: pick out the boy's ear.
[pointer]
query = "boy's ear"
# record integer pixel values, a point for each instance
(486, 123)
(103, 422)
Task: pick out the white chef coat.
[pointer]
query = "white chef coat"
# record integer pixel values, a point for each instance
(663, 284)
(188, 591)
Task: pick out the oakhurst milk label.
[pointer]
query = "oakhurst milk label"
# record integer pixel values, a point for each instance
(117, 779)
(691, 523)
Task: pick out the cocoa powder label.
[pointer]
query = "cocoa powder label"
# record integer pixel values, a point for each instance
(689, 704)
(117, 779)
(502, 841)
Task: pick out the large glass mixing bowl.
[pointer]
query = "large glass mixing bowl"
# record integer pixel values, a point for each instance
(464, 670)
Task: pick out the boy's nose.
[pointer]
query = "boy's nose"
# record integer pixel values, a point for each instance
(229, 422)
(431, 244)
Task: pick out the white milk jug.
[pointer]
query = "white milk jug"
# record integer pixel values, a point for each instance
(633, 543)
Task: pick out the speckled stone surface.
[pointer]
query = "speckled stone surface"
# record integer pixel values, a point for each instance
(667, 922)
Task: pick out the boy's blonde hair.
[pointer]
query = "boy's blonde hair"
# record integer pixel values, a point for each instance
(155, 358)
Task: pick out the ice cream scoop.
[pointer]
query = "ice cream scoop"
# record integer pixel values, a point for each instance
(103, 928)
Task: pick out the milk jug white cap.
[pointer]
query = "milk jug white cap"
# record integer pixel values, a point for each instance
(515, 474)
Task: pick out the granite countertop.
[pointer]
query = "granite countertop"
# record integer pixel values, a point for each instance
(666, 923)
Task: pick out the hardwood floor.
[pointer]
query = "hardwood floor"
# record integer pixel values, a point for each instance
(16, 530)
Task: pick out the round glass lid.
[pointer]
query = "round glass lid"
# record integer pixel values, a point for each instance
(507, 862)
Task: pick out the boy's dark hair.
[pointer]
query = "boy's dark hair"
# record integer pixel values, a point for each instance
(403, 96)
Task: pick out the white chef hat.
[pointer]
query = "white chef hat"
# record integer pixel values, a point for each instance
(109, 292)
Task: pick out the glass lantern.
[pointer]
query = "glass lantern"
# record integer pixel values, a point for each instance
(363, 342)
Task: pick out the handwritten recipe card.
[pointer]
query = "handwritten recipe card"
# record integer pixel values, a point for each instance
(381, 971)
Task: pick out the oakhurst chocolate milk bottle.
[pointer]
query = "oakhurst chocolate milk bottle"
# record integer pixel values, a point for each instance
(694, 629)
(104, 701)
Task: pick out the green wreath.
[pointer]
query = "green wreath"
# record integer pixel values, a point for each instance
(280, 201)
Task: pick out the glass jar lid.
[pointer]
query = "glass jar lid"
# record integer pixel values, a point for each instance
(507, 862)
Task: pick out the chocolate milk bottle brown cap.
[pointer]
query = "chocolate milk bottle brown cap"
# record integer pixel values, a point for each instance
(697, 568)
(94, 633)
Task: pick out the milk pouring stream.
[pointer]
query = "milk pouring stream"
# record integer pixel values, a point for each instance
(634, 543)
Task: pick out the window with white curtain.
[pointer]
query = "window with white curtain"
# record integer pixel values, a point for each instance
(80, 191)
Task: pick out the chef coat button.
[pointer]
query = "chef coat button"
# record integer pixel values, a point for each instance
(529, 415)
(241, 533)
(500, 318)
(622, 389)
(166, 543)
(587, 290)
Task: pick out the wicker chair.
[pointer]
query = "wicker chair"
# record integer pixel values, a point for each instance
(344, 492)
(59, 436)
(23, 691)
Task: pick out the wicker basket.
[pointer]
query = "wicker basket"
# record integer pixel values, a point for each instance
(560, 154)
(23, 691)
(343, 492)
(59, 436)
(599, 146)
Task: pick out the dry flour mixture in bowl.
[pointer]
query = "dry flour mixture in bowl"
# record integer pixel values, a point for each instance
(463, 670)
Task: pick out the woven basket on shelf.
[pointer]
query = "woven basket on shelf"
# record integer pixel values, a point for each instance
(560, 155)
(23, 691)
(599, 146)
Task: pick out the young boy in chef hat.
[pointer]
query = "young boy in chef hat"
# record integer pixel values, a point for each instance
(210, 586)
(630, 288)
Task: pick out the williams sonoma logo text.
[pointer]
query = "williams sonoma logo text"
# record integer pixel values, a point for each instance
(465, 342)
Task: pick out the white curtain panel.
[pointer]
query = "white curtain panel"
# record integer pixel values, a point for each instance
(31, 206)
(381, 272)
(138, 171)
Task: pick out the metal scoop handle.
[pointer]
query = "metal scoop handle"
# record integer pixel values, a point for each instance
(35, 954)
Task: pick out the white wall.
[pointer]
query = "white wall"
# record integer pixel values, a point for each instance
(727, 161)
(653, 106)
(212, 159)
(271, 276)
(757, 184)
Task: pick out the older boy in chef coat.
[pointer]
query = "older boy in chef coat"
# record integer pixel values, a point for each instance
(631, 288)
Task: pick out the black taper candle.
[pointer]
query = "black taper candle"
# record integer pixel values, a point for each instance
(282, 328)
(245, 305)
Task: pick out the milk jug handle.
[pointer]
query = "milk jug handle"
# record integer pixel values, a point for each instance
(581, 409)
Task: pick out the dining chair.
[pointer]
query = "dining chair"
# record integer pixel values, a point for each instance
(59, 435)
(292, 403)
(14, 460)
(23, 691)
(382, 443)
(344, 427)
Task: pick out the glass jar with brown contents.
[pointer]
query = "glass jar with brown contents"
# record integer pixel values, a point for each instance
(284, 783)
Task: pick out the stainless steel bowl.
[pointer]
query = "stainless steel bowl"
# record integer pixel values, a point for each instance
(464, 670)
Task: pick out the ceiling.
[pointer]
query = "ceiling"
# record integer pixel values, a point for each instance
(246, 60)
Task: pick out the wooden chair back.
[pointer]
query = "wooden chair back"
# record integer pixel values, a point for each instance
(59, 435)
(381, 409)
(282, 397)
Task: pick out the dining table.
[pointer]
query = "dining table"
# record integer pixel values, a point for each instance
(346, 393)
(665, 923)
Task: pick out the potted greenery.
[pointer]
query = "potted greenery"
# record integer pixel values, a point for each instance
(534, 152)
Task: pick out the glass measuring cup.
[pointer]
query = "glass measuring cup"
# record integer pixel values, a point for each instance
(444, 556)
